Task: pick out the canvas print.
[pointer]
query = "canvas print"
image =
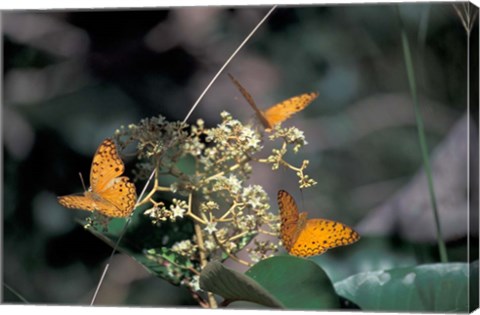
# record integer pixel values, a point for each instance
(303, 157)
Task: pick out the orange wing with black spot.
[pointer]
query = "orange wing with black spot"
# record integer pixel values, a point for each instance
(278, 112)
(109, 194)
(308, 237)
(282, 111)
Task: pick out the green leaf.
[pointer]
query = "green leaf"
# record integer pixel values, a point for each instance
(473, 286)
(424, 288)
(389, 253)
(140, 240)
(153, 261)
(172, 257)
(155, 265)
(298, 283)
(234, 286)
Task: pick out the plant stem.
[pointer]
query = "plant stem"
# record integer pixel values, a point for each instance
(24, 300)
(421, 136)
(233, 257)
(190, 214)
(228, 61)
(201, 248)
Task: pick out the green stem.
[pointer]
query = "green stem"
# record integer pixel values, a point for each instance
(421, 135)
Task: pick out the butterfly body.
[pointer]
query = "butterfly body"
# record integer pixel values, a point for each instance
(110, 194)
(308, 237)
(280, 111)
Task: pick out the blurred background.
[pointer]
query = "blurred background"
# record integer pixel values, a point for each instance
(71, 78)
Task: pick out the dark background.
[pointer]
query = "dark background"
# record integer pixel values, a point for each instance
(72, 77)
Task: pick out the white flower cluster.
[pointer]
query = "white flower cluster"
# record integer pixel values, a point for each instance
(210, 167)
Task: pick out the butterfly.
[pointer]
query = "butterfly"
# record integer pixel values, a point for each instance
(109, 194)
(278, 112)
(308, 237)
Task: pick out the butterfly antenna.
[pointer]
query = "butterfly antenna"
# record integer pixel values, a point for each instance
(83, 183)
(186, 118)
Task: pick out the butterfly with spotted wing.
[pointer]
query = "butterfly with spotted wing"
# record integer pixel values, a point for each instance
(280, 111)
(110, 194)
(308, 237)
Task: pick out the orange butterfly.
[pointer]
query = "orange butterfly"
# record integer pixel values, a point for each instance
(278, 112)
(109, 194)
(308, 237)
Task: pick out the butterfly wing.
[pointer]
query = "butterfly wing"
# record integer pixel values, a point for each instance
(115, 195)
(282, 111)
(289, 218)
(92, 202)
(77, 202)
(319, 235)
(250, 101)
(118, 200)
(109, 194)
(106, 165)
